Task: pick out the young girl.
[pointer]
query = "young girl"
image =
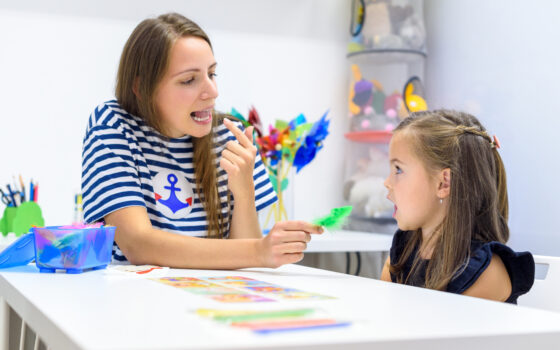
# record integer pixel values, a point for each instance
(448, 185)
(160, 165)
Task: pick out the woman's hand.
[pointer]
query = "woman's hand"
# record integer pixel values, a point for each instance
(238, 159)
(286, 242)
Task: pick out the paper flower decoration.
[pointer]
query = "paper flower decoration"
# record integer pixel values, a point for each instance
(293, 143)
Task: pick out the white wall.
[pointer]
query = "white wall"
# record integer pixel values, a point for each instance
(499, 60)
(496, 59)
(58, 61)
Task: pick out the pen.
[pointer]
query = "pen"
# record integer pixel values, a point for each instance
(17, 199)
(22, 188)
(36, 192)
(31, 190)
(11, 195)
(8, 200)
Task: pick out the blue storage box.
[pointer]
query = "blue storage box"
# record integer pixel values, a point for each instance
(73, 249)
(70, 248)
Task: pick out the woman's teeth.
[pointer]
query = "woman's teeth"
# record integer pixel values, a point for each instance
(202, 116)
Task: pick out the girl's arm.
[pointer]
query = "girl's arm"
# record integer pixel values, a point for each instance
(385, 275)
(494, 283)
(143, 244)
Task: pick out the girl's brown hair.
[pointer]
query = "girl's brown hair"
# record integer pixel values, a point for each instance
(478, 201)
(144, 62)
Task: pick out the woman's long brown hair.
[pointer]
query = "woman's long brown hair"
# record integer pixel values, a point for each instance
(478, 201)
(144, 62)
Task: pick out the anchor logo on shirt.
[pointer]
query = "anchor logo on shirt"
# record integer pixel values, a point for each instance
(173, 202)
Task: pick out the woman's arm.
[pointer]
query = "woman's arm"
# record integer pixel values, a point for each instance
(238, 160)
(143, 244)
(245, 221)
(494, 283)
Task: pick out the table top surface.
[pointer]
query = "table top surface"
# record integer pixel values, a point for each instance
(109, 309)
(330, 241)
(350, 241)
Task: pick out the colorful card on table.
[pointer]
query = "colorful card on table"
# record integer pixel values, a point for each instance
(237, 289)
(139, 270)
(273, 321)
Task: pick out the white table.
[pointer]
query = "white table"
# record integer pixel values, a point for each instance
(330, 241)
(352, 242)
(99, 310)
(349, 241)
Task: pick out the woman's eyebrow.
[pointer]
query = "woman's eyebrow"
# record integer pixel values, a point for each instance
(212, 66)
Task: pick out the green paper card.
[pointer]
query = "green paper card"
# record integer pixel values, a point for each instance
(335, 219)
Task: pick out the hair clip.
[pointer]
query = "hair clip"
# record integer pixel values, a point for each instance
(496, 143)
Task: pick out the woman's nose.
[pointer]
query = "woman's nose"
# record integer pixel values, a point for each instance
(210, 89)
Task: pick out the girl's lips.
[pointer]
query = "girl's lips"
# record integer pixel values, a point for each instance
(395, 212)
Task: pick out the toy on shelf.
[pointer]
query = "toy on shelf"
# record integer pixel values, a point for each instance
(287, 145)
(413, 95)
(387, 25)
(370, 107)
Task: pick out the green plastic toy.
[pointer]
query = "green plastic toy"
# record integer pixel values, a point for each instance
(7, 220)
(335, 219)
(20, 219)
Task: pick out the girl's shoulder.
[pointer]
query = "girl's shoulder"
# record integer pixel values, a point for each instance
(520, 267)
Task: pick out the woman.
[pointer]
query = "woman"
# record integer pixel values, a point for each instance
(160, 165)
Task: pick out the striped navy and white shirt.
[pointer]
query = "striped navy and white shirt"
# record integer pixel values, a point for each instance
(127, 163)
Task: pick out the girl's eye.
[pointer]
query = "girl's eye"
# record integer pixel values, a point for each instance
(212, 75)
(187, 82)
(398, 170)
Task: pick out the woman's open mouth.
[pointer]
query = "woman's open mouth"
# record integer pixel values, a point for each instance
(202, 117)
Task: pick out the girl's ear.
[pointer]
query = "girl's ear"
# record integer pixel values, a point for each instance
(444, 187)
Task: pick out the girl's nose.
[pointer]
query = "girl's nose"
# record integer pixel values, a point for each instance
(386, 183)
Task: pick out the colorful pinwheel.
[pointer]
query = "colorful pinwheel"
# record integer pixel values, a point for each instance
(287, 144)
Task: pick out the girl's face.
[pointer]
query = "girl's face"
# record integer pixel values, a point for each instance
(186, 95)
(412, 189)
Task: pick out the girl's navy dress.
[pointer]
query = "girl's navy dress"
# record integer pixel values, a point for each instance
(520, 266)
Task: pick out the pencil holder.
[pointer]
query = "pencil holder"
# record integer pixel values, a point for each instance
(7, 220)
(20, 219)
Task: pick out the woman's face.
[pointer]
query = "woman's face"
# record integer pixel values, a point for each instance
(186, 95)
